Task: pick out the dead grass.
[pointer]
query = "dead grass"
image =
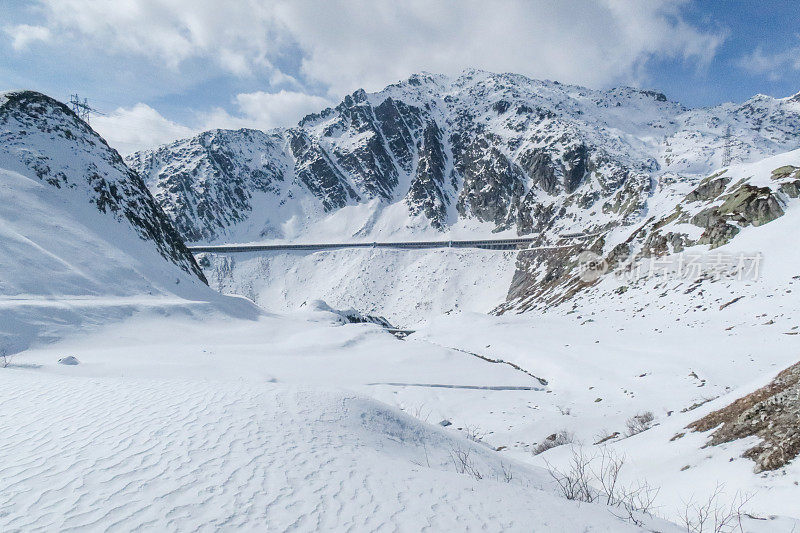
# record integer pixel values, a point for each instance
(771, 413)
(639, 423)
(553, 441)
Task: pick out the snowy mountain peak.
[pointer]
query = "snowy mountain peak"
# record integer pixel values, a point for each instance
(794, 98)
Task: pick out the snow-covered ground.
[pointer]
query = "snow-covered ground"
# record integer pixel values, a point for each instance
(406, 287)
(201, 419)
(177, 423)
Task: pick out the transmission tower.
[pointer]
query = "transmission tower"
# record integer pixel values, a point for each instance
(82, 108)
(726, 148)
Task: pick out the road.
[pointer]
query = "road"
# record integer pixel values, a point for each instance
(486, 244)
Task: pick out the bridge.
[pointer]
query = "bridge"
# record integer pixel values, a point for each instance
(518, 243)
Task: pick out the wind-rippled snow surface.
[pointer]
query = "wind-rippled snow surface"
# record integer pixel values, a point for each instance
(124, 455)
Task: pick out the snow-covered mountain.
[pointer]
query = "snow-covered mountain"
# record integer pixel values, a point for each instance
(503, 150)
(479, 154)
(42, 138)
(77, 226)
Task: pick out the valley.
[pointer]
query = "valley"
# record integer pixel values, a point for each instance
(150, 380)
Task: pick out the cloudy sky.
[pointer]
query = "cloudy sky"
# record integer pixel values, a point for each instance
(163, 69)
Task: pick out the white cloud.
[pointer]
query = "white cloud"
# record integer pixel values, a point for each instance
(141, 126)
(138, 127)
(261, 110)
(22, 35)
(235, 36)
(774, 66)
(581, 41)
(353, 43)
(279, 109)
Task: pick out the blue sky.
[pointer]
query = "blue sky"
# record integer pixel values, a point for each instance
(165, 69)
(769, 29)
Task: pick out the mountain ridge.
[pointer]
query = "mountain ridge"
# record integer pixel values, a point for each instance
(43, 136)
(470, 147)
(480, 154)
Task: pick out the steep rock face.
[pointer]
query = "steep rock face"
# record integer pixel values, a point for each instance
(209, 181)
(711, 214)
(42, 137)
(492, 184)
(544, 174)
(369, 163)
(429, 191)
(318, 173)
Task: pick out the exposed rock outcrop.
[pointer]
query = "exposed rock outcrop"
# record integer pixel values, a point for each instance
(772, 413)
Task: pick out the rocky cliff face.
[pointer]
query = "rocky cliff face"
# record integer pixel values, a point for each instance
(42, 137)
(694, 217)
(503, 151)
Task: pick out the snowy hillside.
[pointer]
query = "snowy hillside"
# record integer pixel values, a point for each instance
(80, 235)
(696, 222)
(42, 138)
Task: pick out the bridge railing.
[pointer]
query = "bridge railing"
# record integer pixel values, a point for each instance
(489, 244)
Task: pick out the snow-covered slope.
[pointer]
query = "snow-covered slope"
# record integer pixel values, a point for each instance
(81, 238)
(694, 232)
(176, 424)
(43, 139)
(403, 286)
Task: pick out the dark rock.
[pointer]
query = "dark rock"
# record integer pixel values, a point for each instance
(501, 106)
(427, 192)
(539, 166)
(791, 188)
(577, 166)
(315, 169)
(492, 183)
(718, 234)
(708, 190)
